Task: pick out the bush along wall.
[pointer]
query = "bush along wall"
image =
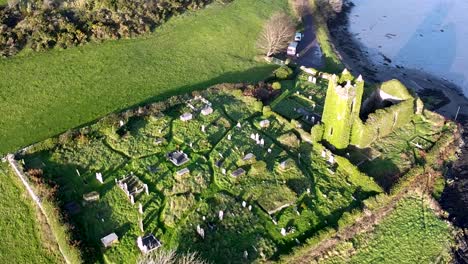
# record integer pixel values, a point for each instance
(41, 25)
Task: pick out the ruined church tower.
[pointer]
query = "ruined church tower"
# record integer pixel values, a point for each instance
(342, 107)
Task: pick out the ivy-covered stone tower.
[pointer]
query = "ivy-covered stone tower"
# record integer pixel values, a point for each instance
(342, 107)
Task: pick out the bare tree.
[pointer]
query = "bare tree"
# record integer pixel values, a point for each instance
(170, 257)
(276, 34)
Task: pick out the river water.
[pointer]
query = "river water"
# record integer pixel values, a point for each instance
(428, 35)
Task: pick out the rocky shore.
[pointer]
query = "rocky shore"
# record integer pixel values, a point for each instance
(440, 95)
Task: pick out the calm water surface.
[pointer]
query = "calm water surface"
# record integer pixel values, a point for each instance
(431, 35)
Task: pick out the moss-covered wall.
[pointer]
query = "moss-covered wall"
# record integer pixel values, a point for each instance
(382, 122)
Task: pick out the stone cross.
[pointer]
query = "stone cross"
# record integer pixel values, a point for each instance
(99, 177)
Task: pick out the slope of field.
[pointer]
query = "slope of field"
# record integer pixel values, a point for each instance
(43, 94)
(23, 241)
(412, 234)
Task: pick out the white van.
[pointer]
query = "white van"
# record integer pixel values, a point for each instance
(292, 48)
(298, 37)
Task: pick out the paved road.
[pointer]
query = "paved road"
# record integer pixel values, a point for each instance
(310, 54)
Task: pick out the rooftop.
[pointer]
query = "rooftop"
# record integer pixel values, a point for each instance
(177, 157)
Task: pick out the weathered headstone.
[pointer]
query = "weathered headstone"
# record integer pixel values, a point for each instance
(283, 232)
(221, 215)
(200, 231)
(140, 208)
(132, 200)
(145, 186)
(244, 204)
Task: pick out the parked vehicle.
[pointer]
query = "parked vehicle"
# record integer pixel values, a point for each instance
(292, 48)
(298, 37)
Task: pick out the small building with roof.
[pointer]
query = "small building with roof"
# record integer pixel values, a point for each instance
(178, 157)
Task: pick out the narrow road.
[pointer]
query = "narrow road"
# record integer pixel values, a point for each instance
(310, 54)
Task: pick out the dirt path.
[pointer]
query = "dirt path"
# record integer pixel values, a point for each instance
(35, 198)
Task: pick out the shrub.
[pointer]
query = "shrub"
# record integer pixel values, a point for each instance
(276, 85)
(283, 73)
(317, 133)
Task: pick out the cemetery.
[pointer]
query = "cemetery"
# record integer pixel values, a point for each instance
(220, 173)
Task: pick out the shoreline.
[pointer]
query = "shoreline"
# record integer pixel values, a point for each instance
(354, 56)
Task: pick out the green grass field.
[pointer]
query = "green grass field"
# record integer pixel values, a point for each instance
(411, 234)
(43, 94)
(23, 241)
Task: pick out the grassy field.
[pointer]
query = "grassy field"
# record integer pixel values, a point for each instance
(43, 94)
(23, 240)
(411, 234)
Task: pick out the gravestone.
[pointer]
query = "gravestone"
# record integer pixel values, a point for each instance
(99, 177)
(220, 215)
(283, 232)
